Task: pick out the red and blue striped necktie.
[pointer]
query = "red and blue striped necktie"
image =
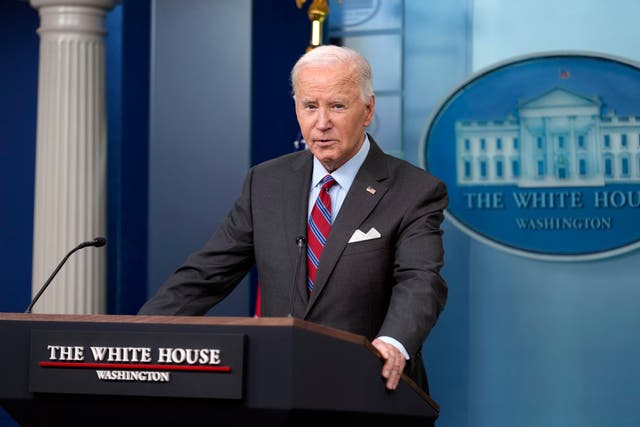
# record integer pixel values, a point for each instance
(318, 229)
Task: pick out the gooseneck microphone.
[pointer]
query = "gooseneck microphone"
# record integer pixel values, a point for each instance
(300, 241)
(97, 242)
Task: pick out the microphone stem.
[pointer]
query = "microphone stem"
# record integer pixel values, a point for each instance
(300, 243)
(46, 284)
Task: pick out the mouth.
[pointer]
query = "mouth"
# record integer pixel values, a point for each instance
(324, 142)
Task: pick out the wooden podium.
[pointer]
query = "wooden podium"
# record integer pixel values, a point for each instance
(283, 371)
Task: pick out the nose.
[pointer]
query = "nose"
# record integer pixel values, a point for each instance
(323, 121)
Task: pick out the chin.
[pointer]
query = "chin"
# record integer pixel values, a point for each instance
(330, 166)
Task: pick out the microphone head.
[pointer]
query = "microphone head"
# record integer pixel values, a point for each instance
(99, 241)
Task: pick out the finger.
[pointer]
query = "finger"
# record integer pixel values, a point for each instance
(392, 383)
(394, 379)
(390, 374)
(394, 368)
(387, 355)
(388, 368)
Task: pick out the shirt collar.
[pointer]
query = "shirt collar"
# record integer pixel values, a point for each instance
(346, 173)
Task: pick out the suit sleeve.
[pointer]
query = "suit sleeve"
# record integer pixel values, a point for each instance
(419, 292)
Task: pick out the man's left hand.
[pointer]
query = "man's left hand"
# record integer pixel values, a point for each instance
(394, 362)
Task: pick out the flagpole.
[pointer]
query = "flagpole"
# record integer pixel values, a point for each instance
(317, 13)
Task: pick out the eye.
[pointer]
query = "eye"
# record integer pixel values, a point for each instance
(310, 106)
(339, 106)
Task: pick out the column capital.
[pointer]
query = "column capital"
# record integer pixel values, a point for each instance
(72, 16)
(102, 4)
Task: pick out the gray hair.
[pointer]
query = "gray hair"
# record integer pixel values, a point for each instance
(332, 54)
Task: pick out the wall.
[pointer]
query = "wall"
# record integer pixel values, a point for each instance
(18, 86)
(199, 119)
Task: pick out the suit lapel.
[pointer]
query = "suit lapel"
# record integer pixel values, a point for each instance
(294, 199)
(357, 206)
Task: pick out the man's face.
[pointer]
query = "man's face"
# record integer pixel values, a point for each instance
(331, 114)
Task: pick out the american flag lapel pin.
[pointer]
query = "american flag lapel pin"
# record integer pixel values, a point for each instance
(371, 190)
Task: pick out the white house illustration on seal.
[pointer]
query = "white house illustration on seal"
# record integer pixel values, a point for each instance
(558, 139)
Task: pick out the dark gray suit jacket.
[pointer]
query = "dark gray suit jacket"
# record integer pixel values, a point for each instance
(386, 286)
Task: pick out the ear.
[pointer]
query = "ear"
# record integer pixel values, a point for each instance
(369, 110)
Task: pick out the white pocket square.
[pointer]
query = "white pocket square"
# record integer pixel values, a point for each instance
(359, 236)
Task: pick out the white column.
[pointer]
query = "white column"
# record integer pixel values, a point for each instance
(70, 193)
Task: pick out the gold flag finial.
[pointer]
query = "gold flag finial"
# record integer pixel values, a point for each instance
(317, 12)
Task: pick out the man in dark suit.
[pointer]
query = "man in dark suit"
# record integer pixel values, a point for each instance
(378, 273)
